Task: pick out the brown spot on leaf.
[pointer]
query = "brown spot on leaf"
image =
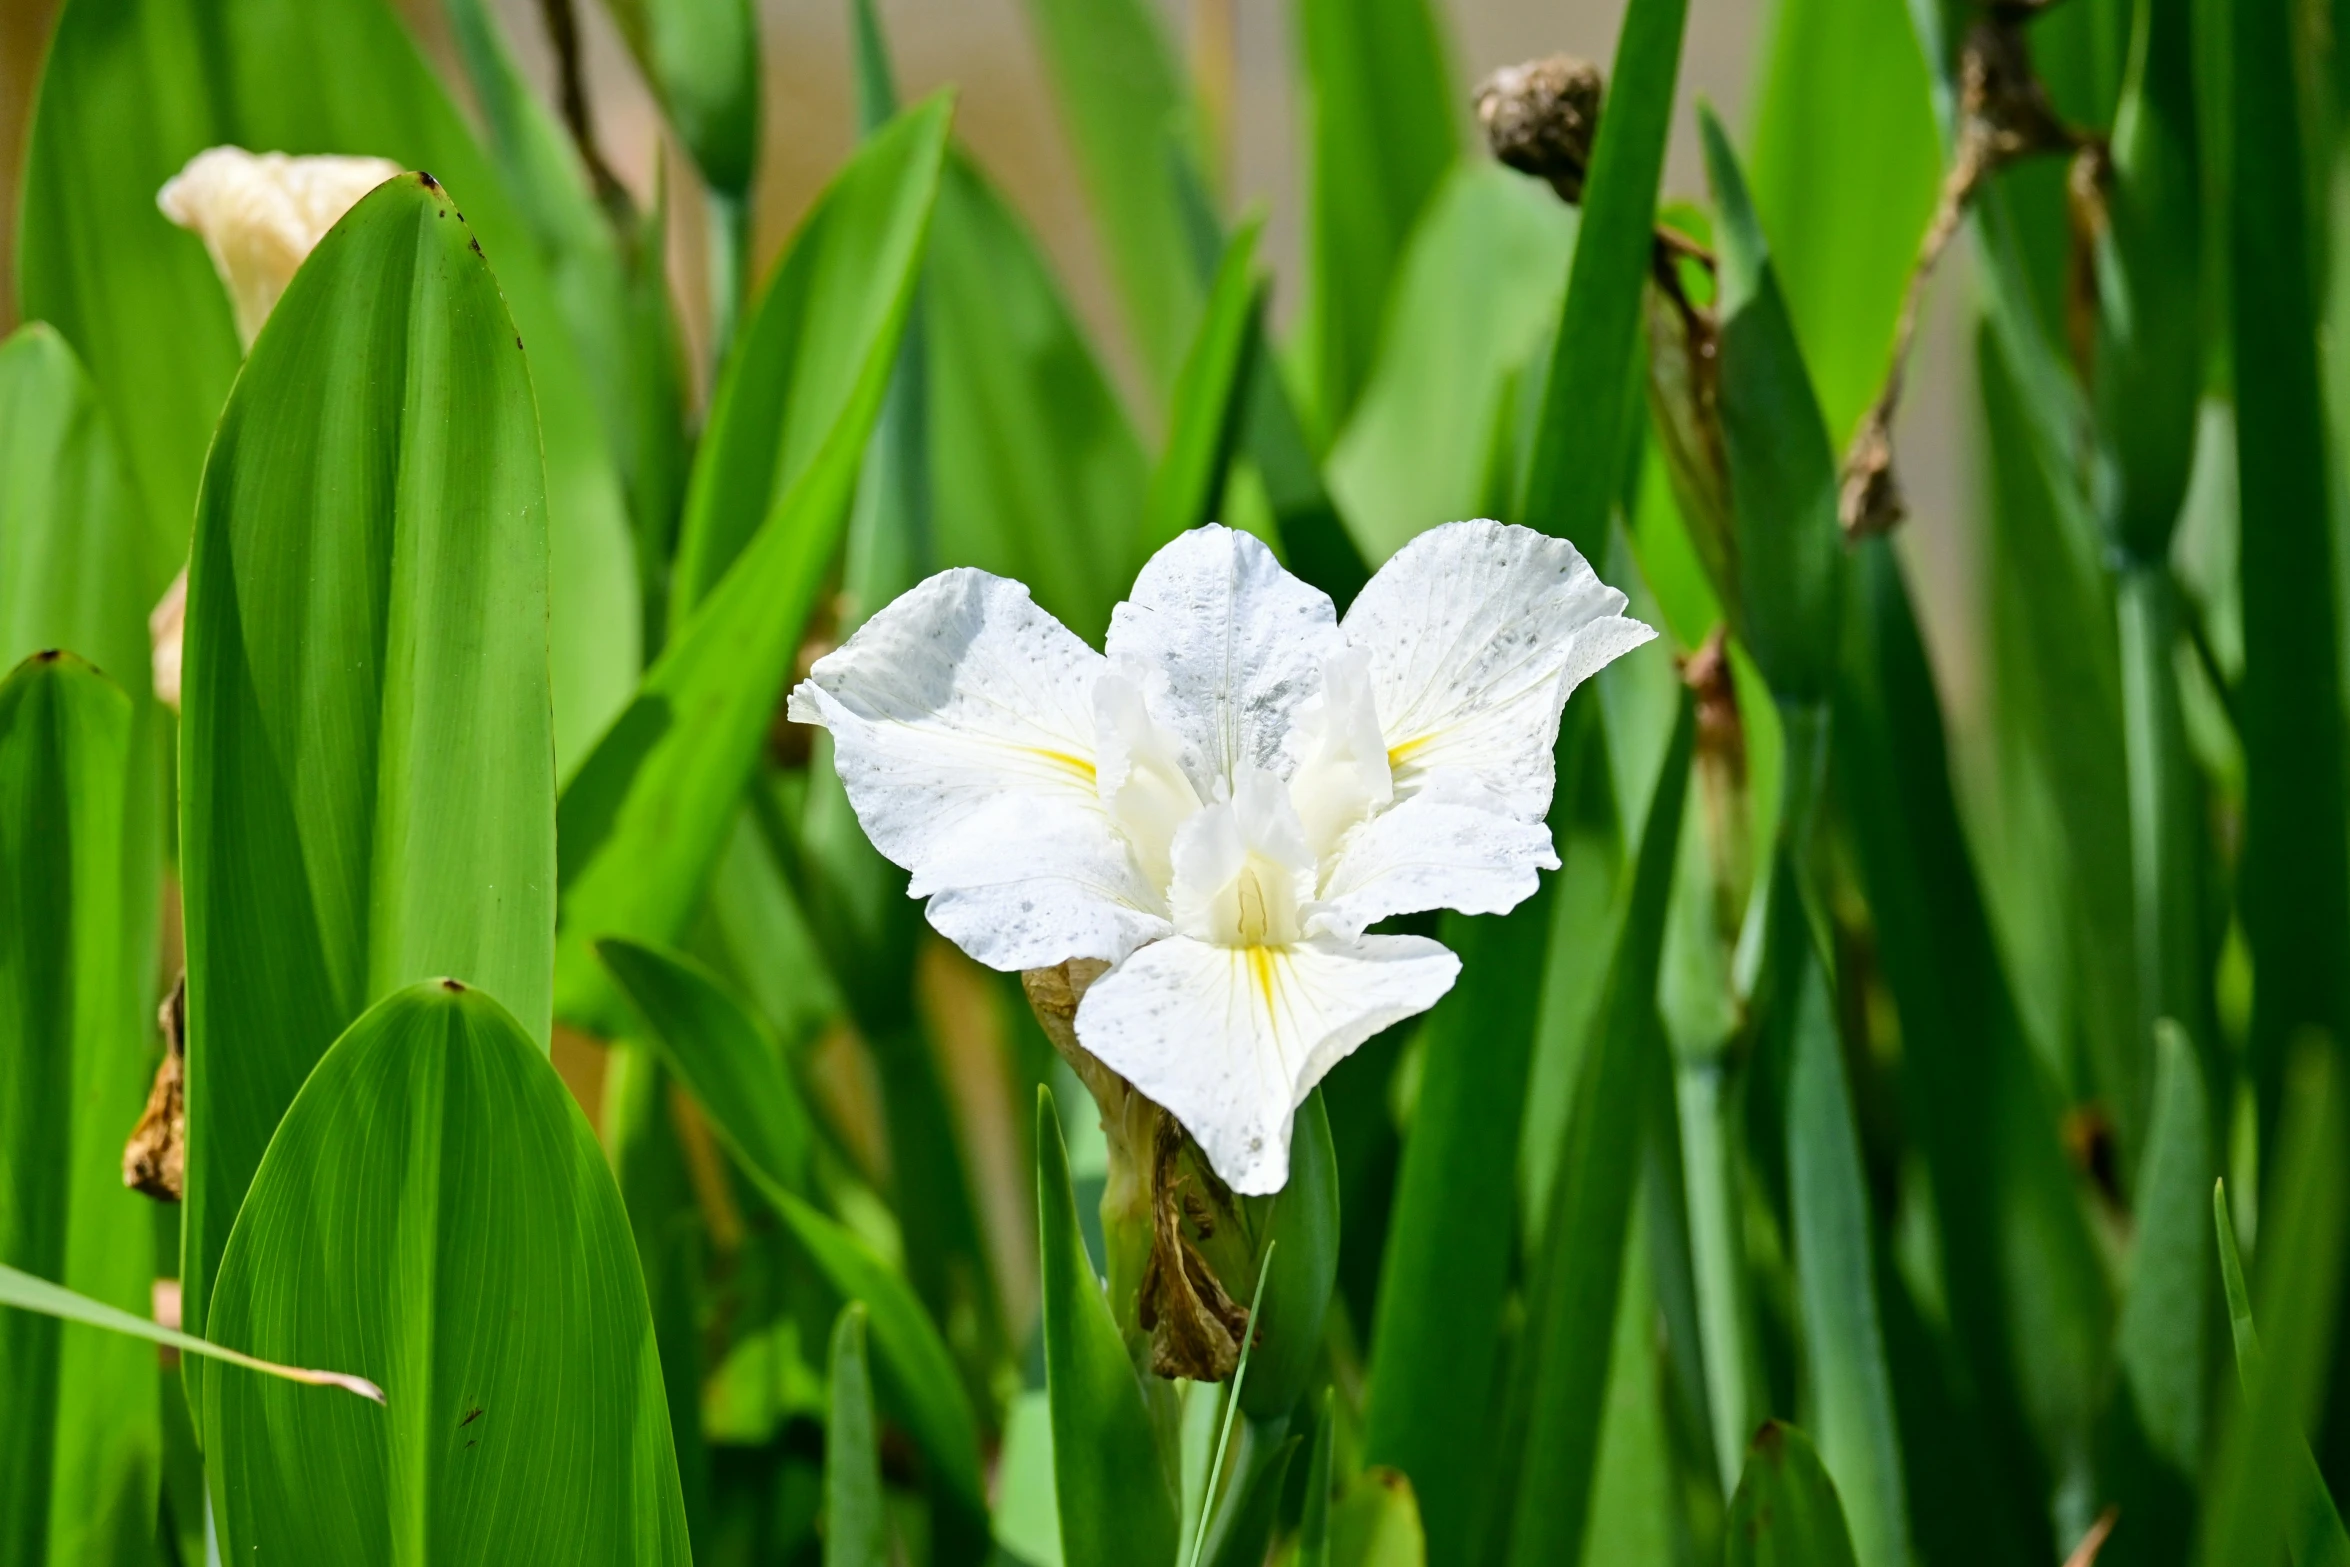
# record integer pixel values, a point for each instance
(454, 986)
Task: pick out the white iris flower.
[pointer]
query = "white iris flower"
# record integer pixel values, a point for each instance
(1223, 804)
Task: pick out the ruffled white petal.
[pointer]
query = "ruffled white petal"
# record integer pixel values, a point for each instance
(1141, 777)
(1476, 634)
(1225, 644)
(1428, 853)
(1230, 1040)
(259, 215)
(1343, 776)
(963, 731)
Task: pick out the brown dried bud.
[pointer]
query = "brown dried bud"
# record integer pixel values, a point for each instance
(154, 1161)
(1540, 118)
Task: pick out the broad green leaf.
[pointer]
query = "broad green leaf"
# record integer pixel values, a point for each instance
(1785, 1513)
(1301, 1269)
(702, 59)
(2267, 1482)
(132, 90)
(435, 1213)
(723, 1056)
(1582, 435)
(25, 1293)
(1382, 129)
(367, 774)
(2155, 1421)
(1376, 1523)
(1790, 551)
(2026, 1292)
(1475, 291)
(1844, 165)
(1246, 1534)
(2295, 887)
(833, 309)
(1636, 1506)
(1037, 474)
(1849, 1386)
(1543, 1473)
(1205, 410)
(736, 1075)
(79, 1451)
(1117, 1509)
(1124, 111)
(647, 814)
(1445, 1276)
(80, 560)
(856, 1519)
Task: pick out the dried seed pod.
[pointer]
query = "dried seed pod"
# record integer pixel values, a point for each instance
(1540, 118)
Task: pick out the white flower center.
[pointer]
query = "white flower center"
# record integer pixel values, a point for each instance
(1242, 869)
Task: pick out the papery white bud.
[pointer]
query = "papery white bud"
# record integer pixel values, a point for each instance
(260, 214)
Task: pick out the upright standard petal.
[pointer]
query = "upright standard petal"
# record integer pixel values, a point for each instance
(1225, 645)
(1230, 1040)
(962, 724)
(1476, 633)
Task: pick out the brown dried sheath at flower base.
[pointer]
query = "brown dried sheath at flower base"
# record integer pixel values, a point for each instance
(1156, 1178)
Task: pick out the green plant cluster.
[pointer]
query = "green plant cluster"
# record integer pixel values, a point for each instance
(1876, 1144)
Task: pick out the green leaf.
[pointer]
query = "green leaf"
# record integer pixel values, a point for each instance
(80, 561)
(1583, 433)
(734, 1072)
(1246, 1534)
(1785, 1513)
(1300, 1271)
(1038, 475)
(1377, 1523)
(823, 337)
(610, 286)
(2295, 887)
(132, 90)
(1382, 130)
(79, 1452)
(367, 773)
(856, 1517)
(1124, 111)
(1313, 1530)
(2155, 1418)
(723, 1055)
(1117, 1508)
(1790, 548)
(1445, 1277)
(1208, 400)
(702, 59)
(1850, 1388)
(1543, 1472)
(1474, 294)
(1845, 168)
(435, 1212)
(2026, 1291)
(2267, 1482)
(645, 817)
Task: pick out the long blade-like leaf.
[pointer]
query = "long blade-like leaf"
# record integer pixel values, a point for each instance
(1116, 1506)
(78, 1453)
(1550, 1445)
(725, 1060)
(1206, 411)
(435, 1212)
(1785, 1513)
(856, 1518)
(702, 57)
(1576, 466)
(132, 90)
(646, 815)
(1382, 128)
(367, 770)
(2267, 1481)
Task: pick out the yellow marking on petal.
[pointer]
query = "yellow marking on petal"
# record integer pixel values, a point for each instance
(1260, 967)
(1401, 753)
(1062, 759)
